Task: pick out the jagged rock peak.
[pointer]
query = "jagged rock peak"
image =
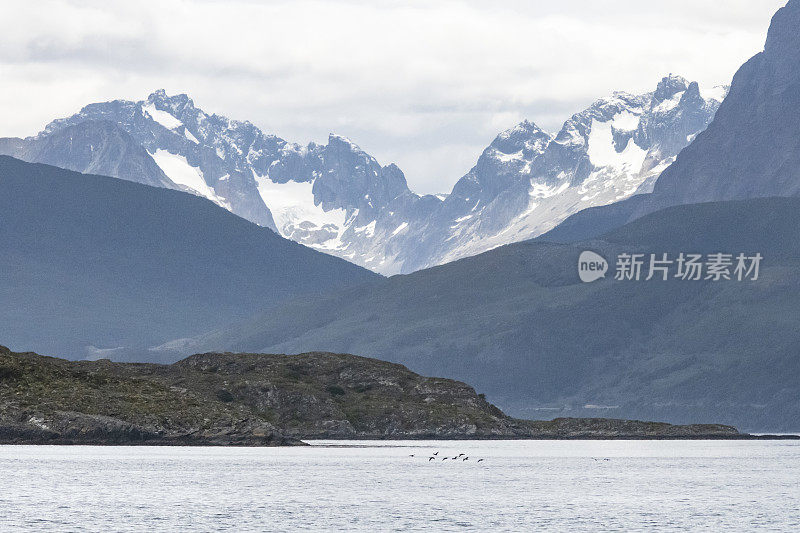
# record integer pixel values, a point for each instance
(526, 134)
(692, 95)
(669, 86)
(157, 95)
(160, 95)
(335, 139)
(525, 129)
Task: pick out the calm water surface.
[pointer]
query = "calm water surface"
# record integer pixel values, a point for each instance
(369, 486)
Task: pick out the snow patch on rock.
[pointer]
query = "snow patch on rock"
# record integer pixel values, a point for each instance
(602, 152)
(162, 117)
(297, 215)
(178, 169)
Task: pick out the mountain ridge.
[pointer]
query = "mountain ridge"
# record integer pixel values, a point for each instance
(338, 199)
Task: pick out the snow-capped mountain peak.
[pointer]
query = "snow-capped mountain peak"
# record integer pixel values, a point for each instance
(339, 199)
(526, 181)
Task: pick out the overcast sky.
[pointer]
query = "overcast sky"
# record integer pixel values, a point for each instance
(424, 84)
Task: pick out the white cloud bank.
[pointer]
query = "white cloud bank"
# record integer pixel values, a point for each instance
(424, 84)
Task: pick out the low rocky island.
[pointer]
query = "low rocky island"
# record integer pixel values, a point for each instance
(267, 400)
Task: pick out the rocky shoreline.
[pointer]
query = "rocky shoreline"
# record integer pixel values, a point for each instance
(224, 399)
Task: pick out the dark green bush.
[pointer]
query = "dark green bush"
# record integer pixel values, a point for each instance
(336, 390)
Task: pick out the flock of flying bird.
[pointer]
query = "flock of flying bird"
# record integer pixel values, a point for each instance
(465, 457)
(461, 456)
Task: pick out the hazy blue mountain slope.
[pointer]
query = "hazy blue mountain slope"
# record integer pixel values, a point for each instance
(518, 324)
(92, 147)
(95, 262)
(752, 148)
(595, 221)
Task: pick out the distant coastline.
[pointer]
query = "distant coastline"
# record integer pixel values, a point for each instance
(224, 399)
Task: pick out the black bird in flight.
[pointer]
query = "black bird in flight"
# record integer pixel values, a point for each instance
(479, 460)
